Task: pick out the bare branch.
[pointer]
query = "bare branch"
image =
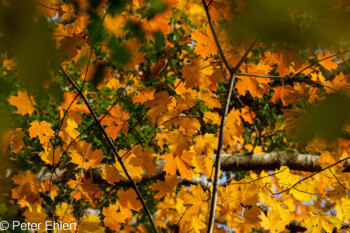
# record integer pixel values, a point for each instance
(223, 118)
(317, 62)
(221, 52)
(298, 80)
(78, 182)
(115, 151)
(308, 177)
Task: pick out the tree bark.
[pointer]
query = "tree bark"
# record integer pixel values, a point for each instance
(229, 162)
(274, 160)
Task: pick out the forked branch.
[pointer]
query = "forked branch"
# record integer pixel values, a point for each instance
(232, 72)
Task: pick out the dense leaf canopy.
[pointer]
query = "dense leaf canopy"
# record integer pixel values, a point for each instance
(175, 115)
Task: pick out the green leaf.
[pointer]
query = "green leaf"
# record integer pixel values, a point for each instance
(119, 54)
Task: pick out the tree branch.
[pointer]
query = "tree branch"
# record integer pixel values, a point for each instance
(297, 80)
(221, 52)
(232, 72)
(229, 162)
(115, 151)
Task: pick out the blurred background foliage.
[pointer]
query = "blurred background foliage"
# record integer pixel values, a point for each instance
(310, 24)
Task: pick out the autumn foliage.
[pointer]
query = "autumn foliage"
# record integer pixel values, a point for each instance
(114, 113)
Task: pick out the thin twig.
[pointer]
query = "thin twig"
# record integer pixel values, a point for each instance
(51, 8)
(116, 153)
(264, 76)
(338, 180)
(342, 57)
(295, 79)
(317, 62)
(221, 52)
(308, 177)
(78, 182)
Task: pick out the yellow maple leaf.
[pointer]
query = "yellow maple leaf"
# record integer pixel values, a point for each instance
(177, 142)
(320, 222)
(262, 68)
(23, 102)
(181, 162)
(210, 100)
(115, 24)
(233, 131)
(69, 131)
(343, 209)
(189, 125)
(113, 216)
(212, 118)
(93, 158)
(328, 158)
(158, 106)
(285, 178)
(42, 130)
(73, 106)
(36, 214)
(144, 159)
(51, 156)
(287, 59)
(90, 224)
(14, 138)
(63, 210)
(135, 169)
(207, 143)
(282, 93)
(205, 42)
(305, 191)
(195, 198)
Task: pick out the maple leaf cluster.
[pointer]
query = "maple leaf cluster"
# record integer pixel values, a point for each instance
(119, 130)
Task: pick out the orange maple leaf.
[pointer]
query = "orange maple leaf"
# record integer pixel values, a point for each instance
(116, 122)
(87, 190)
(196, 74)
(143, 96)
(27, 192)
(128, 200)
(111, 174)
(177, 142)
(256, 86)
(165, 187)
(182, 163)
(113, 216)
(328, 63)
